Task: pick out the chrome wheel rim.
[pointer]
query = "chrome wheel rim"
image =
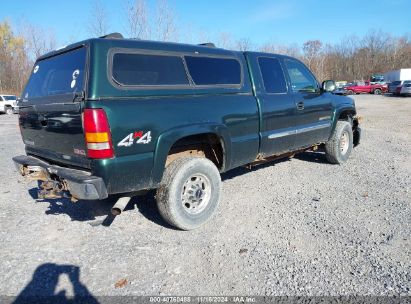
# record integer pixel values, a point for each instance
(344, 142)
(196, 193)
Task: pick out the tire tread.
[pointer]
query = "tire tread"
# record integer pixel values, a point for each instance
(332, 152)
(166, 204)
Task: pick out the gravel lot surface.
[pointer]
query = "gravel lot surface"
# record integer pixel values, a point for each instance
(291, 227)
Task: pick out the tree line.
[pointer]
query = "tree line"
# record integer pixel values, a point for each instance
(353, 58)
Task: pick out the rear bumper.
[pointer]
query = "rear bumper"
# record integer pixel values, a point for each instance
(80, 184)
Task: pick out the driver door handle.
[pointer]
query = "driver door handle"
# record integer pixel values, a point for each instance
(300, 106)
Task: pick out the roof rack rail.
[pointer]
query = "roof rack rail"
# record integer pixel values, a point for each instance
(112, 35)
(209, 44)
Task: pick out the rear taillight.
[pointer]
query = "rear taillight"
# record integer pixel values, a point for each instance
(97, 134)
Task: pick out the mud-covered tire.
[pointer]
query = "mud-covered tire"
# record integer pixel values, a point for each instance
(340, 145)
(176, 204)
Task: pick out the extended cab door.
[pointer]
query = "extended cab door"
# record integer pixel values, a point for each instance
(276, 104)
(313, 108)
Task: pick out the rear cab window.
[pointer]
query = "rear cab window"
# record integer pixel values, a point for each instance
(59, 75)
(273, 75)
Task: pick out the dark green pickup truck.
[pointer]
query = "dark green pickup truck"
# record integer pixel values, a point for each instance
(117, 116)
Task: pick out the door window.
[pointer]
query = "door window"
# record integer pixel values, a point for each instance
(300, 77)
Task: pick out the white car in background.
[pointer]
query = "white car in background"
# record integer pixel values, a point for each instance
(406, 88)
(8, 104)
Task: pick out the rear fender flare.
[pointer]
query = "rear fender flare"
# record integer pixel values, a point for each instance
(167, 139)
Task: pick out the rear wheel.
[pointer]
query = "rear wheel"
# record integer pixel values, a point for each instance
(377, 92)
(339, 147)
(189, 192)
(9, 111)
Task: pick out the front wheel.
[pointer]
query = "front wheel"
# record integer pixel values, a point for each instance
(189, 192)
(339, 147)
(377, 92)
(9, 111)
(350, 92)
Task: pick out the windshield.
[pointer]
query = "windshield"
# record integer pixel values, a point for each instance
(61, 74)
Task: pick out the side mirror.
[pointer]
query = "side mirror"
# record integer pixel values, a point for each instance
(328, 85)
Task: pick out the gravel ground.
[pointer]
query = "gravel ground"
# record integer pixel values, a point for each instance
(292, 227)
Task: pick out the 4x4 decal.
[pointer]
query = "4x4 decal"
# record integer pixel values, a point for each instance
(138, 137)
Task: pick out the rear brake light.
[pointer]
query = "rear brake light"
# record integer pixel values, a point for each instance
(97, 134)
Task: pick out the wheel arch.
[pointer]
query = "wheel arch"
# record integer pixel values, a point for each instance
(345, 112)
(167, 141)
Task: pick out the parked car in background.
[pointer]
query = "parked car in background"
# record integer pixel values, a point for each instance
(406, 88)
(8, 103)
(366, 87)
(392, 87)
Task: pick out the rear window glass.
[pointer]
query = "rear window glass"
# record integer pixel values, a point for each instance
(396, 83)
(273, 76)
(61, 74)
(147, 70)
(214, 71)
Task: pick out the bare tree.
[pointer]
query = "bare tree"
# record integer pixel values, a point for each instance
(98, 25)
(165, 24)
(225, 41)
(38, 40)
(244, 44)
(312, 50)
(137, 19)
(290, 50)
